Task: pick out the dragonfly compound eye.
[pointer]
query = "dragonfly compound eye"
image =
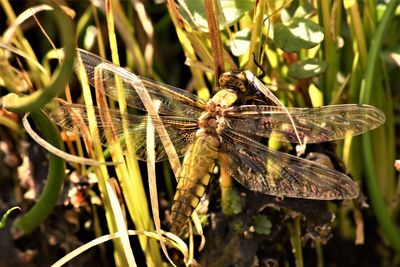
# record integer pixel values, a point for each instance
(235, 80)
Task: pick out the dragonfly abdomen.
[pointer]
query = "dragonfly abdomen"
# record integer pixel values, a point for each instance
(194, 177)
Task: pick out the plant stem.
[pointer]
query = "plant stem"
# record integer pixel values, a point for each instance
(295, 240)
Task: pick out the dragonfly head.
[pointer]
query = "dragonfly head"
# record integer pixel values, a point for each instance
(234, 80)
(237, 80)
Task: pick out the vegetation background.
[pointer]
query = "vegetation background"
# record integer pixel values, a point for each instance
(311, 53)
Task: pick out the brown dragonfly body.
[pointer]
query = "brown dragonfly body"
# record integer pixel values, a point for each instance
(198, 164)
(226, 130)
(199, 160)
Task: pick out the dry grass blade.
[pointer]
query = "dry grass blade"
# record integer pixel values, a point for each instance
(149, 30)
(151, 170)
(66, 156)
(32, 60)
(170, 239)
(121, 226)
(215, 38)
(11, 30)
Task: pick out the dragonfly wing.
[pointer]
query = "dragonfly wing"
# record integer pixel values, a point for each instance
(180, 130)
(264, 170)
(173, 101)
(314, 125)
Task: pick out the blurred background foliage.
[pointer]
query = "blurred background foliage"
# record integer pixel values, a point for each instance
(309, 53)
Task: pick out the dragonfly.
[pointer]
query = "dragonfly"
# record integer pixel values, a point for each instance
(227, 130)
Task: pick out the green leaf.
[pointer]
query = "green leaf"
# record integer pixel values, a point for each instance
(298, 33)
(262, 225)
(195, 15)
(304, 10)
(307, 69)
(241, 43)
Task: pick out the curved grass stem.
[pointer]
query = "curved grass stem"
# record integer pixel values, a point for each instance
(55, 178)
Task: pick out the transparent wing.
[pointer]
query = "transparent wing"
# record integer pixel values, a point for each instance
(173, 101)
(264, 170)
(313, 124)
(181, 130)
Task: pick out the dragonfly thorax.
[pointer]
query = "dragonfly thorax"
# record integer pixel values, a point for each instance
(212, 121)
(209, 120)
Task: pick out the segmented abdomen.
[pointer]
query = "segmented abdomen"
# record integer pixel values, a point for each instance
(195, 175)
